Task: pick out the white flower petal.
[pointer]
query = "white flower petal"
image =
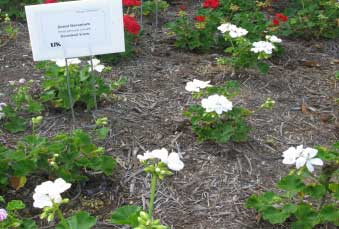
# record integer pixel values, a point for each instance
(310, 167)
(61, 185)
(316, 161)
(174, 162)
(41, 200)
(300, 162)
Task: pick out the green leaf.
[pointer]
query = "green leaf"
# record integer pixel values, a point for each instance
(307, 217)
(263, 67)
(316, 190)
(15, 205)
(330, 213)
(275, 215)
(81, 220)
(16, 125)
(126, 215)
(291, 183)
(28, 224)
(335, 189)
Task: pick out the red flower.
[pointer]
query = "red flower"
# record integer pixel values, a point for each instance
(50, 1)
(211, 4)
(200, 18)
(130, 3)
(183, 8)
(276, 22)
(281, 17)
(131, 24)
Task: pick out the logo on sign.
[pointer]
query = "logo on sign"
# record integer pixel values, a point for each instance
(55, 44)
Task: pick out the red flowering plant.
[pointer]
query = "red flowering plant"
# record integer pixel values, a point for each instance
(193, 33)
(201, 33)
(310, 19)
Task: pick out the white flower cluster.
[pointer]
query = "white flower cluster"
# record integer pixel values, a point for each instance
(301, 156)
(62, 62)
(214, 103)
(196, 85)
(263, 46)
(266, 46)
(172, 160)
(49, 192)
(217, 103)
(233, 30)
(273, 39)
(96, 63)
(2, 114)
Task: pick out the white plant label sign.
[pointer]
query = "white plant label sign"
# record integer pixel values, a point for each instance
(75, 29)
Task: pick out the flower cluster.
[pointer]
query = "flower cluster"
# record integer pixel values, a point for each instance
(301, 156)
(48, 193)
(233, 30)
(130, 3)
(96, 65)
(196, 85)
(20, 81)
(217, 103)
(131, 24)
(200, 18)
(263, 46)
(172, 160)
(273, 39)
(211, 4)
(62, 62)
(279, 17)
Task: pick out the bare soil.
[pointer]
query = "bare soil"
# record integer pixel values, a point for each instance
(217, 179)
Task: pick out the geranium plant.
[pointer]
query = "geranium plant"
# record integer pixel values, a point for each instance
(158, 163)
(64, 155)
(312, 18)
(47, 196)
(245, 53)
(215, 118)
(81, 81)
(308, 197)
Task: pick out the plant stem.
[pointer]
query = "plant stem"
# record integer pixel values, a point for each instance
(153, 189)
(62, 218)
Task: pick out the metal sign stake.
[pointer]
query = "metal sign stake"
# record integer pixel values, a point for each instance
(93, 84)
(69, 90)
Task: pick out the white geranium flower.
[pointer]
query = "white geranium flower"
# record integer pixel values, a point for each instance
(217, 103)
(174, 163)
(239, 32)
(22, 81)
(172, 160)
(307, 157)
(290, 156)
(233, 30)
(96, 65)
(62, 62)
(49, 192)
(196, 85)
(301, 157)
(11, 82)
(263, 46)
(273, 39)
(226, 27)
(161, 154)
